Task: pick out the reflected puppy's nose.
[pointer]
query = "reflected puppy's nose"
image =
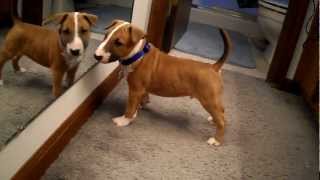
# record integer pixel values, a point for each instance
(75, 52)
(98, 58)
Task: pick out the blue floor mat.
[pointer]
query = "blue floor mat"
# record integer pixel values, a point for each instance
(106, 14)
(205, 40)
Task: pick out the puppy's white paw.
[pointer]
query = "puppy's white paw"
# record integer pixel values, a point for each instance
(213, 141)
(210, 119)
(135, 115)
(22, 70)
(121, 121)
(1, 82)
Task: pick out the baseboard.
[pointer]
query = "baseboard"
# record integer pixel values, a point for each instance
(287, 85)
(50, 150)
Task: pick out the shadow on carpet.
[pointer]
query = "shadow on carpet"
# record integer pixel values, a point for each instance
(206, 41)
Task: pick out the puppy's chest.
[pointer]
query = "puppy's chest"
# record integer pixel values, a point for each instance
(72, 61)
(125, 71)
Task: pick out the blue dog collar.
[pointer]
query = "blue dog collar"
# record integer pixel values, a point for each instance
(137, 56)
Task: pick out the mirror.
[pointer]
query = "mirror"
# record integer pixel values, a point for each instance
(26, 93)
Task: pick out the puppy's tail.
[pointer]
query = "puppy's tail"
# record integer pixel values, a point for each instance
(227, 49)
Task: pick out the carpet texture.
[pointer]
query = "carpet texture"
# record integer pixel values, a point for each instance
(106, 14)
(24, 95)
(269, 135)
(205, 40)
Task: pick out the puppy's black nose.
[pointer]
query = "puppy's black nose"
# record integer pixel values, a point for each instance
(98, 58)
(75, 52)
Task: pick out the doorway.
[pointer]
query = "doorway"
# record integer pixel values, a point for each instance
(254, 28)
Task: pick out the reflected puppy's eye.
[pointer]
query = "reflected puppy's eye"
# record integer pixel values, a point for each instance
(66, 31)
(118, 43)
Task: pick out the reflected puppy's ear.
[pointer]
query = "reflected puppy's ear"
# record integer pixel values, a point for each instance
(58, 18)
(92, 19)
(113, 23)
(136, 34)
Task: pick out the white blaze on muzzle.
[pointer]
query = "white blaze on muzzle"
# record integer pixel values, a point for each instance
(100, 50)
(76, 43)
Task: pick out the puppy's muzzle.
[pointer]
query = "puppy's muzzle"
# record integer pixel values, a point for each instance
(97, 57)
(75, 52)
(102, 57)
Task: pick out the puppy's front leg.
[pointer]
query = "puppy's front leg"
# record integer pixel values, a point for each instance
(134, 100)
(71, 75)
(145, 100)
(57, 82)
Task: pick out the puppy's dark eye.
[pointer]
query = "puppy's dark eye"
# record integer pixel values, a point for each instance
(118, 43)
(84, 31)
(66, 31)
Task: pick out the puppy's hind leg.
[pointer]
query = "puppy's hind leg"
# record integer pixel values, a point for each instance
(4, 57)
(215, 109)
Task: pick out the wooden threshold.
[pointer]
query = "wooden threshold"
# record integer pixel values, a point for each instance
(50, 150)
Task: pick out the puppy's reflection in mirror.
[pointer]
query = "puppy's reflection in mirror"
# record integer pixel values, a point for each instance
(60, 51)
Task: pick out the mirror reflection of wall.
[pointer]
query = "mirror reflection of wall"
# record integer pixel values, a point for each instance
(107, 10)
(25, 94)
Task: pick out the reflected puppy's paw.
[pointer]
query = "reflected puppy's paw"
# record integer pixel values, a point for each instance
(121, 121)
(210, 119)
(213, 141)
(1, 83)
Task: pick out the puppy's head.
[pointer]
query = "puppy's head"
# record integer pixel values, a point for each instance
(74, 30)
(120, 39)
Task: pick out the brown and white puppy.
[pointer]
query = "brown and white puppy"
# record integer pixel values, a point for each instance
(61, 50)
(164, 75)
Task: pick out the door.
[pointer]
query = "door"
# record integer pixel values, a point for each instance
(177, 23)
(307, 74)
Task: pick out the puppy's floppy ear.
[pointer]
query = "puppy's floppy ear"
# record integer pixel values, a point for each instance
(92, 19)
(114, 22)
(136, 34)
(58, 18)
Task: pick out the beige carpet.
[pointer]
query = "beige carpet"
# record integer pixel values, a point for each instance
(270, 135)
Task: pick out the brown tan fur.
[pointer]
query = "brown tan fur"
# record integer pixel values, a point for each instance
(164, 75)
(42, 46)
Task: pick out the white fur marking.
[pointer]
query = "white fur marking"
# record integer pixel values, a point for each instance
(100, 50)
(121, 121)
(136, 49)
(1, 82)
(213, 141)
(76, 43)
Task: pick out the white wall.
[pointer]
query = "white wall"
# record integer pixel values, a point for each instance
(299, 48)
(141, 13)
